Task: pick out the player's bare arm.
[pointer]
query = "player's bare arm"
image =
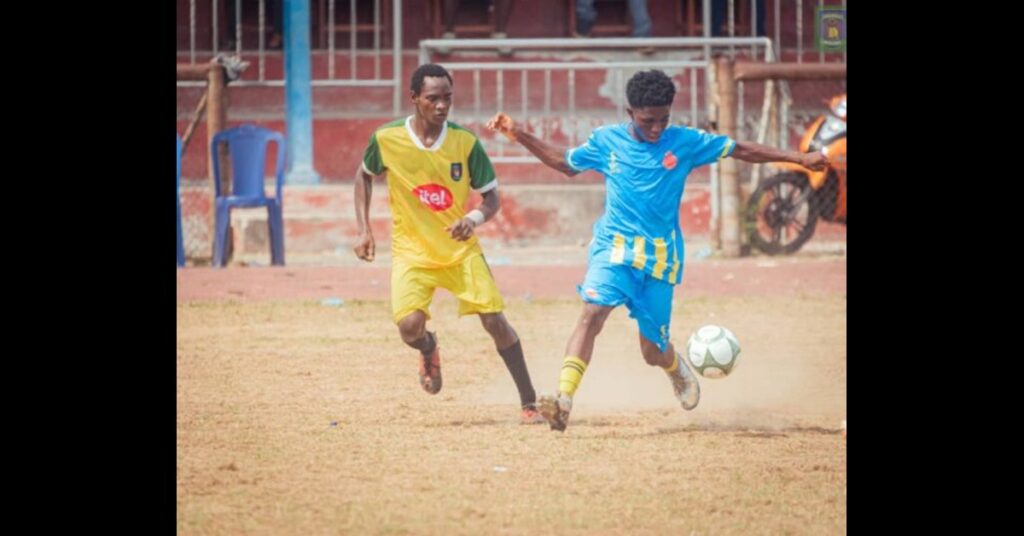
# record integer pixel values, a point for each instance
(365, 247)
(550, 155)
(756, 153)
(463, 229)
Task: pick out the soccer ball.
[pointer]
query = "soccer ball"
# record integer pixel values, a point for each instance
(713, 350)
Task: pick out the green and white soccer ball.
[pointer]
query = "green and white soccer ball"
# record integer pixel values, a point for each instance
(713, 351)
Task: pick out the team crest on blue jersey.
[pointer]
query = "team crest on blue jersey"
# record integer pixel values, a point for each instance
(456, 171)
(670, 160)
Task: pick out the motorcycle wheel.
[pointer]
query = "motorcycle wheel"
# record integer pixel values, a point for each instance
(779, 217)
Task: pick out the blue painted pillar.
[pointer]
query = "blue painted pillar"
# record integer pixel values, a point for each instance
(298, 94)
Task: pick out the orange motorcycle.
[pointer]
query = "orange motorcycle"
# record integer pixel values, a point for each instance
(784, 208)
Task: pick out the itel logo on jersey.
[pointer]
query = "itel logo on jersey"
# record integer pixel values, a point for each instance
(434, 196)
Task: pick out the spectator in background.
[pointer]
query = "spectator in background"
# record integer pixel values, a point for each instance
(274, 13)
(500, 8)
(720, 17)
(586, 16)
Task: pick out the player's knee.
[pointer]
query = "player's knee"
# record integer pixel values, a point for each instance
(492, 322)
(498, 327)
(412, 326)
(593, 318)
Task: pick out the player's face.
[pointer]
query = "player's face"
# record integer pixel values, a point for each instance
(650, 121)
(434, 100)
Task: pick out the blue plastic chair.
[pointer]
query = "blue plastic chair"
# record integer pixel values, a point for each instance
(247, 147)
(181, 243)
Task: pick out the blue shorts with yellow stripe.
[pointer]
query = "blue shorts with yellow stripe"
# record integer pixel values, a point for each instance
(649, 300)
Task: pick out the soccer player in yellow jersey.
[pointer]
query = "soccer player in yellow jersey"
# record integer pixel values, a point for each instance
(431, 166)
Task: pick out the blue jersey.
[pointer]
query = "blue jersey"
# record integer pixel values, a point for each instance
(644, 186)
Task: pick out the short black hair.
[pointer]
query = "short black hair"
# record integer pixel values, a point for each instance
(650, 88)
(427, 69)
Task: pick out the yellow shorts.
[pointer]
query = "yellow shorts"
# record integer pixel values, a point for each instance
(412, 287)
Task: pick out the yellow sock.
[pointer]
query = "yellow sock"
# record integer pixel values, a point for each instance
(572, 372)
(675, 364)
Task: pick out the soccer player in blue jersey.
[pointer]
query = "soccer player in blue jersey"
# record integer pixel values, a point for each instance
(636, 257)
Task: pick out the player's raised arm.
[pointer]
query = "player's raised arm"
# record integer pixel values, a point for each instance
(550, 155)
(756, 153)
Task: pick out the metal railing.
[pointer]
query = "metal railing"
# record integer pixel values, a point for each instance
(259, 56)
(699, 48)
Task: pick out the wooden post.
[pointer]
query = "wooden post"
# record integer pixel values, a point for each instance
(790, 71)
(216, 121)
(216, 111)
(729, 175)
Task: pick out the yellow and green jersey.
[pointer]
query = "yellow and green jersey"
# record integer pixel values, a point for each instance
(428, 188)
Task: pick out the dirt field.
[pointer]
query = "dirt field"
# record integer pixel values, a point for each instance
(300, 418)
